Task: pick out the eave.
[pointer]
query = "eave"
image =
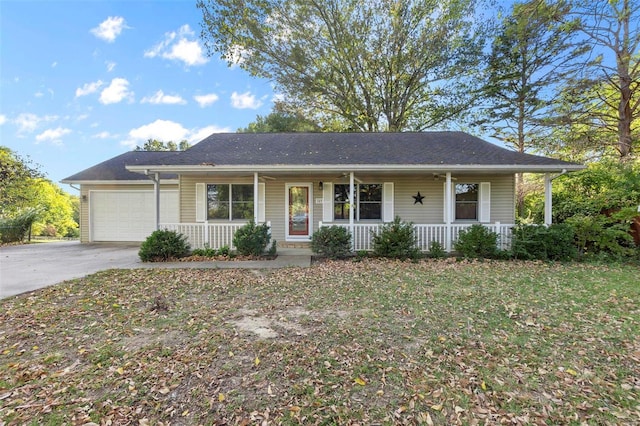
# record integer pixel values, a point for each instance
(384, 168)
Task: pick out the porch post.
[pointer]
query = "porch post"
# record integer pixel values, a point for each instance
(548, 203)
(256, 204)
(156, 188)
(447, 212)
(351, 208)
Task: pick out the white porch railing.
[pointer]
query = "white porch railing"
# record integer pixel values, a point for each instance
(218, 235)
(201, 235)
(425, 234)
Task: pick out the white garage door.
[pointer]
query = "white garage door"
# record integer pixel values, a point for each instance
(129, 215)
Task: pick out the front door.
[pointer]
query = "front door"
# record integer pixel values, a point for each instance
(298, 211)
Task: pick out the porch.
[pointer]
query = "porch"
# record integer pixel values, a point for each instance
(218, 235)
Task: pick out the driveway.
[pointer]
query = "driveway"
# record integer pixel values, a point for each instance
(33, 266)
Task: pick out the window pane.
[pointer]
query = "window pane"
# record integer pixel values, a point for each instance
(242, 202)
(341, 203)
(467, 201)
(370, 201)
(218, 201)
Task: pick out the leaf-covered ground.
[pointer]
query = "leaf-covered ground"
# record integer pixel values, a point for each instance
(371, 342)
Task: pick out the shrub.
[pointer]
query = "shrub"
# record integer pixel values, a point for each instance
(602, 235)
(477, 242)
(436, 250)
(16, 229)
(396, 240)
(163, 245)
(556, 242)
(205, 252)
(252, 239)
(331, 241)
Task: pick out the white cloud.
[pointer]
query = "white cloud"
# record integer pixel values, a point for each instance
(116, 92)
(245, 101)
(38, 94)
(53, 135)
(110, 66)
(206, 100)
(182, 45)
(166, 130)
(28, 123)
(3, 119)
(237, 54)
(199, 134)
(88, 88)
(110, 28)
(102, 135)
(159, 98)
(54, 64)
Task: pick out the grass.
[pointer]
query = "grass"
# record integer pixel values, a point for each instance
(382, 342)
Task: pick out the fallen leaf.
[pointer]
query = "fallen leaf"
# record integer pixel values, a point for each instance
(360, 381)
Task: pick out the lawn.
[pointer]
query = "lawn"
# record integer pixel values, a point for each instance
(370, 342)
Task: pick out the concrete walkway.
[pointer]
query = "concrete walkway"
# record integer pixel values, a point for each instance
(32, 266)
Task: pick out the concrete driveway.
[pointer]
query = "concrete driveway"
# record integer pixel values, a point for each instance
(32, 266)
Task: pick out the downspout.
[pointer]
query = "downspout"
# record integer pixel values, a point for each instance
(548, 199)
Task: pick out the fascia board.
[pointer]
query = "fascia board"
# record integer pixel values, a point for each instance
(355, 167)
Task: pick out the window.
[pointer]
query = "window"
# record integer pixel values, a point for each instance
(229, 202)
(467, 201)
(369, 202)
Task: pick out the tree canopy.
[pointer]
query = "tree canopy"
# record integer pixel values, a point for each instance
(16, 175)
(378, 66)
(281, 121)
(156, 145)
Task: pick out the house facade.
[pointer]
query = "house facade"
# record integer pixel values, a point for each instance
(443, 182)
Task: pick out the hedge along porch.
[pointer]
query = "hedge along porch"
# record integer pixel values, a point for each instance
(443, 182)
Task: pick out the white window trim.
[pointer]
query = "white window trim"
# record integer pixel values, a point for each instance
(202, 207)
(386, 202)
(483, 208)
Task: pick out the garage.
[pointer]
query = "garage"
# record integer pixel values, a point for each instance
(129, 215)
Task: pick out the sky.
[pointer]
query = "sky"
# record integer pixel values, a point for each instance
(84, 81)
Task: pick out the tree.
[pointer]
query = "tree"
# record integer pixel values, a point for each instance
(612, 28)
(387, 65)
(156, 145)
(281, 121)
(56, 217)
(17, 174)
(532, 54)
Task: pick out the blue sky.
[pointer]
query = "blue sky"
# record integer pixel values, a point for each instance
(83, 81)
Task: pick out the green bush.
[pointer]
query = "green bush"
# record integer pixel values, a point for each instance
(16, 229)
(205, 252)
(331, 241)
(436, 250)
(396, 240)
(477, 242)
(252, 239)
(163, 245)
(555, 242)
(602, 236)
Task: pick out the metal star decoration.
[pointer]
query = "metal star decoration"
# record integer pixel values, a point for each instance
(418, 198)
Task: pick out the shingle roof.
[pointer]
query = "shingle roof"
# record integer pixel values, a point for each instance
(115, 168)
(434, 150)
(428, 148)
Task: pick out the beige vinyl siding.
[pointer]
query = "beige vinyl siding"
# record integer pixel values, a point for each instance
(405, 186)
(431, 209)
(84, 205)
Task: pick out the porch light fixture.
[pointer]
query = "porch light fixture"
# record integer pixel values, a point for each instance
(320, 185)
(84, 198)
